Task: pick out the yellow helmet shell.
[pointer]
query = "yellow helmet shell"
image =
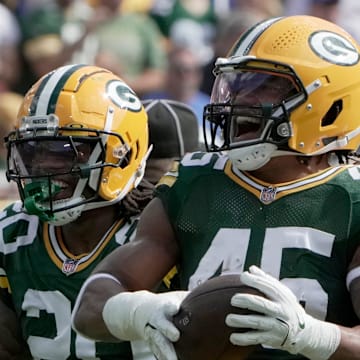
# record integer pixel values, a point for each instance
(91, 97)
(325, 59)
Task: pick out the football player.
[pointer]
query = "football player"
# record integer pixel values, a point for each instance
(80, 145)
(279, 195)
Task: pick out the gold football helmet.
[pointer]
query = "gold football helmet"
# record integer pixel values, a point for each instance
(81, 142)
(289, 85)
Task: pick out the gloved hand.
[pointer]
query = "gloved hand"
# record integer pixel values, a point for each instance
(147, 316)
(282, 322)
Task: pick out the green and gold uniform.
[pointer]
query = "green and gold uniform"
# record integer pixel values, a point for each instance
(44, 279)
(303, 232)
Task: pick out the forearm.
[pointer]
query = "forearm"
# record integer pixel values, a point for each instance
(87, 316)
(349, 348)
(137, 315)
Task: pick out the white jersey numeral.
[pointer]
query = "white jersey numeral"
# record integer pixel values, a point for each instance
(229, 248)
(55, 305)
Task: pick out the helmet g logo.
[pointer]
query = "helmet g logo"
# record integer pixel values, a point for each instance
(121, 95)
(334, 48)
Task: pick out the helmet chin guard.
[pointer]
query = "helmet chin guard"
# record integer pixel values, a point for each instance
(36, 202)
(66, 216)
(252, 157)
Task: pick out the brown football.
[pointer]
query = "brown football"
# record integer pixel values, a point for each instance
(201, 321)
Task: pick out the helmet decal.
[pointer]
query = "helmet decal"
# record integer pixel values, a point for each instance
(124, 97)
(249, 38)
(46, 96)
(334, 48)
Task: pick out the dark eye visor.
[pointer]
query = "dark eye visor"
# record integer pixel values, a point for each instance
(28, 154)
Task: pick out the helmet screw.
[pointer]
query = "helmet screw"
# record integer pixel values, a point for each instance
(317, 144)
(309, 107)
(104, 180)
(301, 145)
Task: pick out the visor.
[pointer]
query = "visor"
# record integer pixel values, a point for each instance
(253, 88)
(45, 157)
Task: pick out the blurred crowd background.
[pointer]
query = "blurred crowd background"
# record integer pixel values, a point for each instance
(161, 48)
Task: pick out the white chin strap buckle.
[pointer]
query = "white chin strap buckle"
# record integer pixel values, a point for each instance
(66, 216)
(252, 157)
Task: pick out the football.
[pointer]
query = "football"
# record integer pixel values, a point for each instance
(201, 321)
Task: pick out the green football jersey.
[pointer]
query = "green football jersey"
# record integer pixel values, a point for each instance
(44, 279)
(303, 232)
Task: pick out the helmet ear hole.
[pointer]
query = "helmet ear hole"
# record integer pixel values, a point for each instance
(333, 113)
(137, 150)
(126, 161)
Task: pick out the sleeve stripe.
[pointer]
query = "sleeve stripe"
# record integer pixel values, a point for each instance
(4, 282)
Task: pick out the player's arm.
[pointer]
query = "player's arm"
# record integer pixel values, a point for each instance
(12, 345)
(284, 324)
(349, 347)
(113, 303)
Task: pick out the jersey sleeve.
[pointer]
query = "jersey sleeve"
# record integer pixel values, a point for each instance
(8, 227)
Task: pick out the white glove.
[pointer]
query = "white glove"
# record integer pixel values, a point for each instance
(143, 315)
(282, 323)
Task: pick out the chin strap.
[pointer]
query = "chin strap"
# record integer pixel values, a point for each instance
(252, 157)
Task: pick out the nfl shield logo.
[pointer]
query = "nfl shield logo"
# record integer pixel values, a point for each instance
(268, 195)
(69, 266)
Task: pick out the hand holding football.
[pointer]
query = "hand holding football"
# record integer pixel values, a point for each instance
(201, 321)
